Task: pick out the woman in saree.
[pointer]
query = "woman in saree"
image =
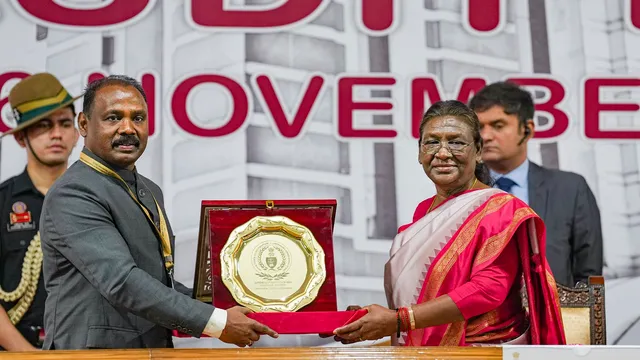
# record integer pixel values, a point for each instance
(455, 274)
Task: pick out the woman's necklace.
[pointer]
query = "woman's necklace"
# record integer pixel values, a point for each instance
(434, 200)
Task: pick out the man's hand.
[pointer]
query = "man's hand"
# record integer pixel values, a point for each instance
(242, 331)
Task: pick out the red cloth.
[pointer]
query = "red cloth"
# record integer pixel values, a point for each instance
(308, 322)
(302, 322)
(482, 267)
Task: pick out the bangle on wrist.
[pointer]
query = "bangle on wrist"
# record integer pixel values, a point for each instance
(405, 320)
(412, 319)
(404, 316)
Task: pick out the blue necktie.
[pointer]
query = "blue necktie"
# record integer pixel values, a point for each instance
(504, 183)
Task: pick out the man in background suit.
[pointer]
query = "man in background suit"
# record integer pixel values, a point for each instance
(108, 247)
(562, 199)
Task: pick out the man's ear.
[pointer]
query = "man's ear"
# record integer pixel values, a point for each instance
(19, 136)
(530, 124)
(82, 124)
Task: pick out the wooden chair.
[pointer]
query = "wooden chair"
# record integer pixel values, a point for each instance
(583, 312)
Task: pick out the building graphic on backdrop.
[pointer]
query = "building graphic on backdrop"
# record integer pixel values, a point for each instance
(377, 184)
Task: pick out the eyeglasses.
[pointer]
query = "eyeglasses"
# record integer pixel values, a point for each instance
(431, 147)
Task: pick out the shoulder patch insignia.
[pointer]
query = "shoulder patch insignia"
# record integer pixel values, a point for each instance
(20, 218)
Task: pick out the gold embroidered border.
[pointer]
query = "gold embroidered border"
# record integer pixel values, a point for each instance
(495, 244)
(482, 321)
(453, 335)
(498, 335)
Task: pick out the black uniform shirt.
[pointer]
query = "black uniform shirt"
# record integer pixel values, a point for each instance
(20, 207)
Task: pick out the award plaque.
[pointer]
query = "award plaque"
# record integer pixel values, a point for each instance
(272, 263)
(274, 257)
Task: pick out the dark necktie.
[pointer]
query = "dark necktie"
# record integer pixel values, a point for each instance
(504, 183)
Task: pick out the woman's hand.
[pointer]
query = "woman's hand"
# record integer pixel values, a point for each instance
(378, 323)
(349, 308)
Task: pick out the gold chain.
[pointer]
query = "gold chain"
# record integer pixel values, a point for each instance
(26, 290)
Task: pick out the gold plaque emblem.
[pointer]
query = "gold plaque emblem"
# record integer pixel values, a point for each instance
(272, 263)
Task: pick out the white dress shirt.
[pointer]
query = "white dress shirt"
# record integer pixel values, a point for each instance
(216, 323)
(520, 176)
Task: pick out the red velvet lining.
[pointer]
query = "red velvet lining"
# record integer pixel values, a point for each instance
(318, 220)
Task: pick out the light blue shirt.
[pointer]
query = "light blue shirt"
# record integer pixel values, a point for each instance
(520, 176)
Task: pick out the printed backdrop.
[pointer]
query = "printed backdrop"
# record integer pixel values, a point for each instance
(275, 99)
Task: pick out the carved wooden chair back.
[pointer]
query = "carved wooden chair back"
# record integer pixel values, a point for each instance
(583, 312)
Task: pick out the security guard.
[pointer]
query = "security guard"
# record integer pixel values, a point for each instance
(44, 114)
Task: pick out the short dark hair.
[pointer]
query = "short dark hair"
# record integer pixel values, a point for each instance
(511, 97)
(73, 109)
(460, 111)
(94, 86)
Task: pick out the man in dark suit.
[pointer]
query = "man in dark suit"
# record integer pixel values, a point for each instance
(562, 199)
(108, 247)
